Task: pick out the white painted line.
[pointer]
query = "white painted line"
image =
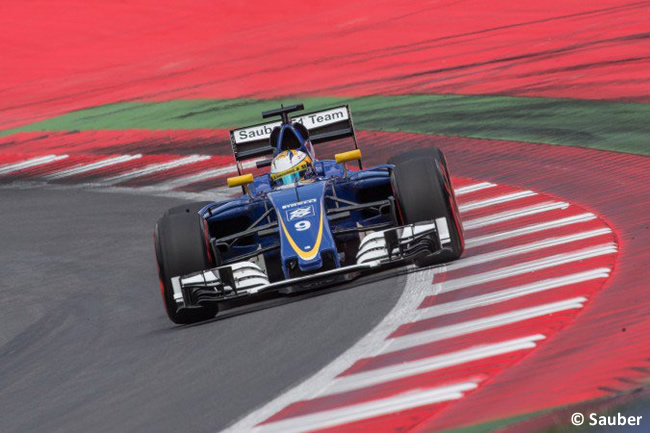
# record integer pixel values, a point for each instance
(418, 284)
(534, 228)
(522, 249)
(411, 368)
(153, 168)
(29, 163)
(201, 176)
(513, 214)
(84, 168)
(371, 409)
(464, 328)
(523, 268)
(508, 294)
(472, 188)
(495, 200)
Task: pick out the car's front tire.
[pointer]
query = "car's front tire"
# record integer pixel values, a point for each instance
(181, 244)
(423, 192)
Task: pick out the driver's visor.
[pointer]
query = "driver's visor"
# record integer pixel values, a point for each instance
(290, 178)
(277, 177)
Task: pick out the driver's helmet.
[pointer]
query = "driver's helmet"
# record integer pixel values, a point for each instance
(290, 166)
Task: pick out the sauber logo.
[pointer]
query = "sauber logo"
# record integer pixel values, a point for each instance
(301, 212)
(254, 132)
(311, 121)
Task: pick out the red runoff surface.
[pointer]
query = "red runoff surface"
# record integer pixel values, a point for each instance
(72, 54)
(102, 142)
(605, 351)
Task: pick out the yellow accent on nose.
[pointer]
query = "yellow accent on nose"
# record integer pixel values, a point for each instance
(306, 255)
(347, 156)
(244, 179)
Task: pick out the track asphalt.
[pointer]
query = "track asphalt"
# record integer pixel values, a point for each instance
(85, 344)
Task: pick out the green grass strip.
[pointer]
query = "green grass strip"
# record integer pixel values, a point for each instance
(616, 126)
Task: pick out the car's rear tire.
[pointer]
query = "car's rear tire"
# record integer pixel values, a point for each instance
(422, 189)
(181, 244)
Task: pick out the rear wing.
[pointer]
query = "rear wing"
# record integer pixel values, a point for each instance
(325, 125)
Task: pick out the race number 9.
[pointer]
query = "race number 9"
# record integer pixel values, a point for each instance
(302, 225)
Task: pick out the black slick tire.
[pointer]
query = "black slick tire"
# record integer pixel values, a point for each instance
(423, 191)
(181, 246)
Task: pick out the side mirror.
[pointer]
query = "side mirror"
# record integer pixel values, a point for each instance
(242, 180)
(344, 157)
(352, 155)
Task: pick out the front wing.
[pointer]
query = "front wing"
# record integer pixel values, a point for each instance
(379, 250)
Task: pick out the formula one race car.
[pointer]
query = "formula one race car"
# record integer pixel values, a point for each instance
(308, 223)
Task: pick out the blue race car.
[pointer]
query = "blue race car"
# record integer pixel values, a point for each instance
(308, 223)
